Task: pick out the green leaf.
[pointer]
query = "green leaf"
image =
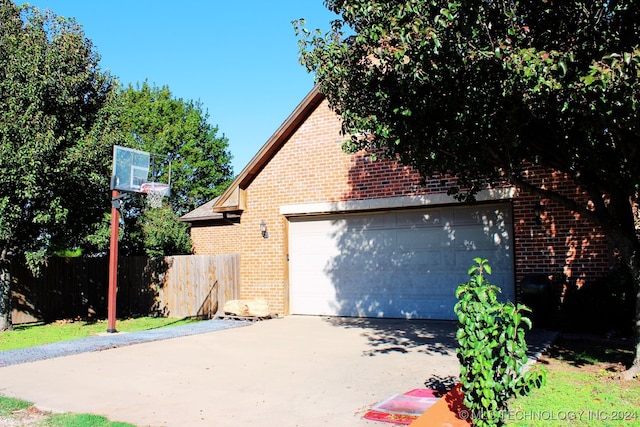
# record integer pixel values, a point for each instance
(588, 80)
(563, 65)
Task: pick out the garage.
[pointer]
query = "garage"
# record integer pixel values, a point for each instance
(395, 264)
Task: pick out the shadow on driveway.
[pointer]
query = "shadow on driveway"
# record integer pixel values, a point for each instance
(429, 337)
(401, 336)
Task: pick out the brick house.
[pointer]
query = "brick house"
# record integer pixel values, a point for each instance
(323, 232)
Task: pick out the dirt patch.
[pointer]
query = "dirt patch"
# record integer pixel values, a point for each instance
(606, 358)
(24, 417)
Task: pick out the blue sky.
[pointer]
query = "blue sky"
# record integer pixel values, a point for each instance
(238, 58)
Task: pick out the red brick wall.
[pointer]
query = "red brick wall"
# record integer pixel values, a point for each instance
(564, 242)
(311, 167)
(215, 239)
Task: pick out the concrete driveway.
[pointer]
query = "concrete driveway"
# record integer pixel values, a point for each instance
(293, 371)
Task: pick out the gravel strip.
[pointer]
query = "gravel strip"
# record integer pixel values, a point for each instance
(107, 341)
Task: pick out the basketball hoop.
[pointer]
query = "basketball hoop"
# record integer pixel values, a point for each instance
(133, 172)
(155, 192)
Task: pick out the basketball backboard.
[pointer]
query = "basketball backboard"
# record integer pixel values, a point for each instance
(130, 169)
(138, 171)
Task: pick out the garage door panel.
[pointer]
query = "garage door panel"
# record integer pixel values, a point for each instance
(472, 238)
(477, 237)
(369, 264)
(404, 264)
(322, 245)
(402, 298)
(369, 242)
(419, 219)
(482, 214)
(369, 306)
(386, 261)
(318, 299)
(498, 259)
(421, 260)
(431, 238)
(369, 222)
(379, 240)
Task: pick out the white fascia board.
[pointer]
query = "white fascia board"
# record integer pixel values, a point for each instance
(497, 194)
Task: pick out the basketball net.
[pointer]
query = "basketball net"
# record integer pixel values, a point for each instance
(155, 192)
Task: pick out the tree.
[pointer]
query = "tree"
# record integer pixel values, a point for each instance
(492, 349)
(176, 130)
(481, 89)
(55, 138)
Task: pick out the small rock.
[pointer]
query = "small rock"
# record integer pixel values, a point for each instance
(249, 308)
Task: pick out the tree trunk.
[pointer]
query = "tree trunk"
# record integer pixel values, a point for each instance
(5, 296)
(634, 369)
(618, 221)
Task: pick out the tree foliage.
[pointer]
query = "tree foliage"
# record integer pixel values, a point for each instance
(156, 122)
(483, 89)
(153, 232)
(175, 130)
(55, 138)
(60, 116)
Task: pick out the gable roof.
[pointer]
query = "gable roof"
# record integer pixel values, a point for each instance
(233, 197)
(204, 212)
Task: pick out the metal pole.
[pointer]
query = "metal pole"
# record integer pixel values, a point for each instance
(113, 262)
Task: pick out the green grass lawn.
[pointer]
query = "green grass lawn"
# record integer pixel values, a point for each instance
(33, 334)
(16, 412)
(581, 389)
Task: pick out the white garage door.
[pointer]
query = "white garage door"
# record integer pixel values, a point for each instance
(399, 264)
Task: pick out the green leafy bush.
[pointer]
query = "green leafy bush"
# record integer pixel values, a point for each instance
(492, 348)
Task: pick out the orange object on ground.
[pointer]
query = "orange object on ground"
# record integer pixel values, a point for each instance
(449, 411)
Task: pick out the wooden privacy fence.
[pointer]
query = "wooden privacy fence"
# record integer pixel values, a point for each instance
(174, 286)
